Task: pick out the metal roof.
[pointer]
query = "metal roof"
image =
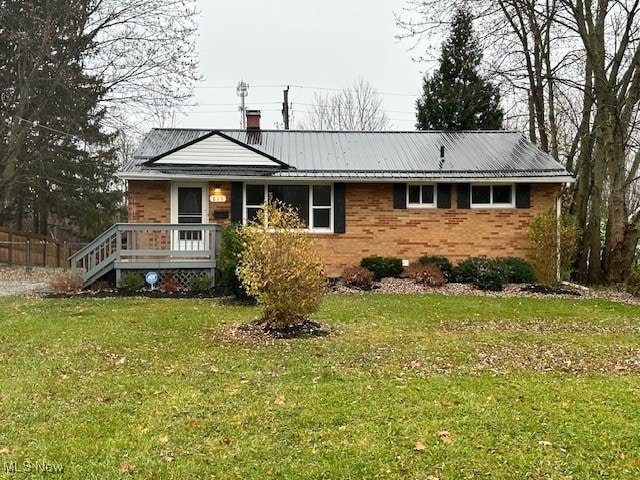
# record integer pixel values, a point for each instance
(337, 154)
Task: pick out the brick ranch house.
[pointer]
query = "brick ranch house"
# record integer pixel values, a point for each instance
(399, 194)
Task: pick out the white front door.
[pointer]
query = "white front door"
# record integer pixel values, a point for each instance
(190, 205)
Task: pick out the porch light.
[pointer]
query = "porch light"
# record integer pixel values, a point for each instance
(217, 196)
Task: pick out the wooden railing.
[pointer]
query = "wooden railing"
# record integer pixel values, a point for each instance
(31, 250)
(127, 246)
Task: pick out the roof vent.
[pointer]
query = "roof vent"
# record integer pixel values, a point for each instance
(441, 156)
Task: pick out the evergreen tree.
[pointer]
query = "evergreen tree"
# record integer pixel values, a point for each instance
(456, 97)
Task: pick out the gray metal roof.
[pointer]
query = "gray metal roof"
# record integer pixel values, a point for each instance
(324, 154)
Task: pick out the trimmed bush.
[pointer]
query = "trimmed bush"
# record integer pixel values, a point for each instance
(230, 251)
(131, 282)
(200, 284)
(427, 274)
(383, 266)
(443, 263)
(484, 273)
(357, 277)
(281, 268)
(516, 270)
(170, 284)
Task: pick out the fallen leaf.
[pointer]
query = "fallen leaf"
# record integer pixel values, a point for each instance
(168, 456)
(346, 442)
(126, 467)
(5, 450)
(62, 378)
(163, 439)
(141, 429)
(280, 400)
(419, 446)
(445, 437)
(193, 421)
(432, 477)
(545, 443)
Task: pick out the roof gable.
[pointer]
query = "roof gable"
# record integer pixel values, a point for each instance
(216, 149)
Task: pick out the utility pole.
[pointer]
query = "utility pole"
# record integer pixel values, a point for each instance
(242, 90)
(285, 108)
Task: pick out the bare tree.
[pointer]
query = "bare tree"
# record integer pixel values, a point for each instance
(356, 108)
(573, 68)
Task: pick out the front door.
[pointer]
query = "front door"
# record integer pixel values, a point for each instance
(190, 207)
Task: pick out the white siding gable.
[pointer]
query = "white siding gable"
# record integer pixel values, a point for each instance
(216, 150)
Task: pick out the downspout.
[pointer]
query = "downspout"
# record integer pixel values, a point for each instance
(558, 235)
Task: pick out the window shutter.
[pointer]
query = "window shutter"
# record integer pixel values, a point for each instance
(400, 195)
(236, 202)
(523, 195)
(339, 210)
(464, 195)
(444, 195)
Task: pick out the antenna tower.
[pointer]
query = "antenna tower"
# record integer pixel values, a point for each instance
(242, 90)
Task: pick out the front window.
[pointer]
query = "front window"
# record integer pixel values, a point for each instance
(421, 196)
(492, 196)
(314, 203)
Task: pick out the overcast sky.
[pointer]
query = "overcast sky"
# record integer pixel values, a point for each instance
(307, 45)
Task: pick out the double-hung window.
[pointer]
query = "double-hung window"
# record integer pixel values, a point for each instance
(314, 203)
(421, 196)
(499, 195)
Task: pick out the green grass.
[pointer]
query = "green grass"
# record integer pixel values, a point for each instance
(407, 387)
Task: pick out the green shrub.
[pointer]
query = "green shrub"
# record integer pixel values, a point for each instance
(484, 273)
(131, 282)
(543, 238)
(229, 258)
(357, 277)
(280, 267)
(383, 266)
(427, 274)
(200, 284)
(516, 270)
(443, 263)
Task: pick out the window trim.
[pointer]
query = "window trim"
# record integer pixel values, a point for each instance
(491, 203)
(311, 228)
(434, 204)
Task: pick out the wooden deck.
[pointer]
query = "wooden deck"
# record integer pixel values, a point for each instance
(149, 246)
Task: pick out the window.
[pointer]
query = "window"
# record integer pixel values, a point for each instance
(492, 196)
(421, 195)
(314, 203)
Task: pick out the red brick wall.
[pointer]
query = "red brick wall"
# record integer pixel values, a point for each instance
(374, 227)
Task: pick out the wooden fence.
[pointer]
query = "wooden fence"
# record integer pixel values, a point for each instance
(30, 250)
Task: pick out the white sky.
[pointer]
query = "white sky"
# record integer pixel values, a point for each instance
(273, 43)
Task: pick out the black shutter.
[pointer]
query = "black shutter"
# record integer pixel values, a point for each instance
(523, 195)
(339, 208)
(464, 195)
(444, 195)
(236, 202)
(399, 195)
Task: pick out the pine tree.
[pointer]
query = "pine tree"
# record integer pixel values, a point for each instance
(456, 97)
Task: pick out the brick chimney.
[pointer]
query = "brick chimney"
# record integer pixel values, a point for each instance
(253, 119)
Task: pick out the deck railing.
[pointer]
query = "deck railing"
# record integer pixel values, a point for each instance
(148, 246)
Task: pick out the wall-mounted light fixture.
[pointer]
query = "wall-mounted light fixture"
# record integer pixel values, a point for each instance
(217, 196)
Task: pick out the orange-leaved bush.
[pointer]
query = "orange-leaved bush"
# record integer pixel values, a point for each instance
(280, 267)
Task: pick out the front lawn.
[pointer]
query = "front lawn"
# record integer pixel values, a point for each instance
(406, 387)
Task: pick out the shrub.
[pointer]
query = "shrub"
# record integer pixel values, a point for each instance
(427, 274)
(443, 263)
(357, 277)
(516, 270)
(66, 283)
(200, 284)
(280, 267)
(131, 282)
(383, 266)
(170, 284)
(543, 237)
(484, 273)
(232, 246)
